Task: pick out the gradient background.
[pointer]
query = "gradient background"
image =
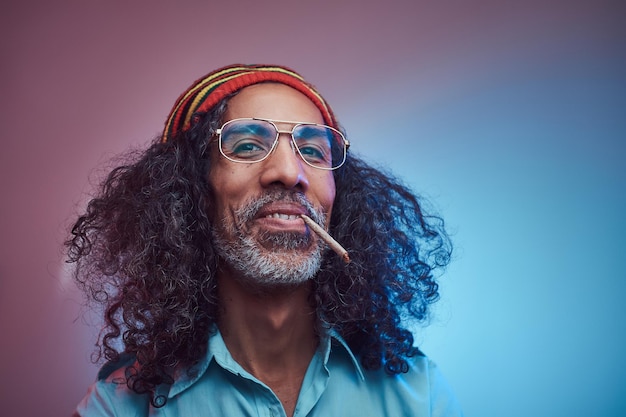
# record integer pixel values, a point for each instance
(510, 117)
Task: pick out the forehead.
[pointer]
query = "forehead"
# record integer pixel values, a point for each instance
(273, 101)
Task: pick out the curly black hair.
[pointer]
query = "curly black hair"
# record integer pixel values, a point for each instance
(143, 251)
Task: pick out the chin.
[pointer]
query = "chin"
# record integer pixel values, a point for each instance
(287, 243)
(277, 259)
(280, 267)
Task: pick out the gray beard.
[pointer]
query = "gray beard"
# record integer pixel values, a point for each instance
(269, 260)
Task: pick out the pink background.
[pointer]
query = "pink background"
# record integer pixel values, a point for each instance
(508, 116)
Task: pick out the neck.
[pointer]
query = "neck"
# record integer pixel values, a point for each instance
(271, 334)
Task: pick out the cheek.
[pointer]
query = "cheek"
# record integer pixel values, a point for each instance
(326, 192)
(218, 182)
(230, 185)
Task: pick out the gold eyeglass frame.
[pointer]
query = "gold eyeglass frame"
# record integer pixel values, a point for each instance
(294, 146)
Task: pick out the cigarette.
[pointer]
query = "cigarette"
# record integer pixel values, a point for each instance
(334, 245)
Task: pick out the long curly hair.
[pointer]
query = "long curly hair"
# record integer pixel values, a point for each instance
(143, 252)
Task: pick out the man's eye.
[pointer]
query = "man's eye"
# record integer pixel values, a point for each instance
(314, 152)
(246, 149)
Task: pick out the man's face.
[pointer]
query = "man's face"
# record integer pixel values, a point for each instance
(257, 228)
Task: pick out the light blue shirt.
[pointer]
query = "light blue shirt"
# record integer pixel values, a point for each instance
(335, 384)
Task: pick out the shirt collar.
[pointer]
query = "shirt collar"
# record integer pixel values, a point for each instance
(334, 339)
(217, 351)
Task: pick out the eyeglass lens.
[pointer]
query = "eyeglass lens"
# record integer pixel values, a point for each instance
(248, 140)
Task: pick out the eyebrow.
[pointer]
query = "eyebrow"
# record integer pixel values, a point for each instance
(309, 131)
(251, 127)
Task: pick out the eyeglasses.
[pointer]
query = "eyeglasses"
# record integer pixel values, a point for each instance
(251, 140)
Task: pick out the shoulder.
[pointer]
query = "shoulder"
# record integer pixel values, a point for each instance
(423, 372)
(422, 390)
(423, 385)
(110, 395)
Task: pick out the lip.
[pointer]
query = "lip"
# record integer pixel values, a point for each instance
(288, 209)
(281, 217)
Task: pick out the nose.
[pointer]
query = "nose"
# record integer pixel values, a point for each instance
(284, 166)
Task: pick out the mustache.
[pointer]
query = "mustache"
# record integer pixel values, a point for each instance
(251, 208)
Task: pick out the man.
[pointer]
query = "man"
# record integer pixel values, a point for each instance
(219, 297)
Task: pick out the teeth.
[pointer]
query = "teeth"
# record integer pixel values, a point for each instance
(282, 216)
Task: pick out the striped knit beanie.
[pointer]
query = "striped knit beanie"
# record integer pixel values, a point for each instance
(209, 90)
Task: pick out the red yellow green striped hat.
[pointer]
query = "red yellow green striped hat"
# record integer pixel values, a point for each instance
(209, 90)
